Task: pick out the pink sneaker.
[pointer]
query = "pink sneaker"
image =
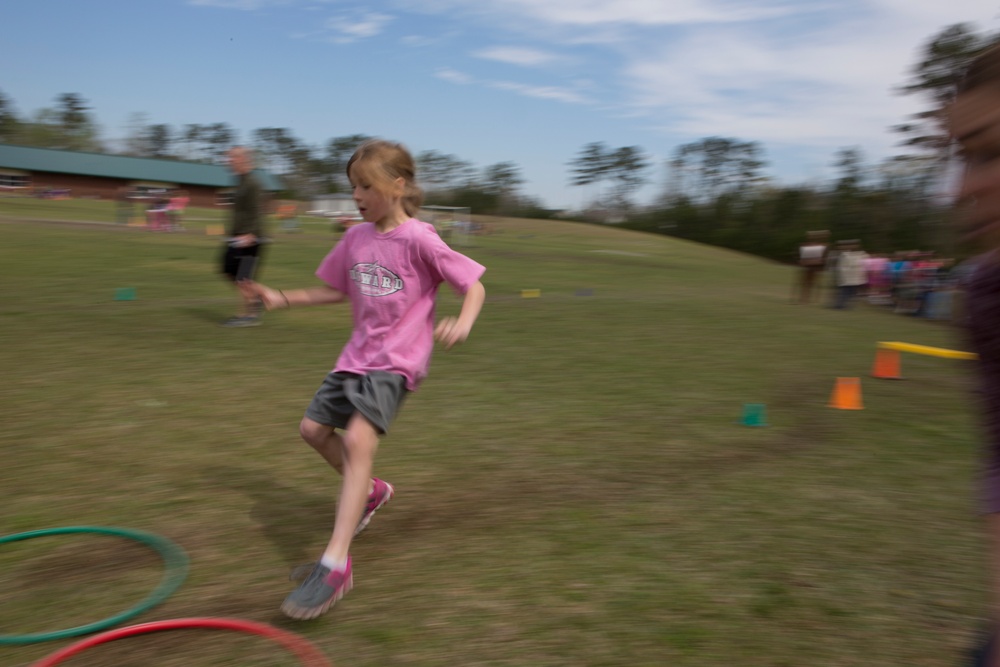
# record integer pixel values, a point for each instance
(380, 495)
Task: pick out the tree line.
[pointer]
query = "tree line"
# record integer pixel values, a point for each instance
(714, 191)
(306, 170)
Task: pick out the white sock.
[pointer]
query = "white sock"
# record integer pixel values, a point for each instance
(334, 565)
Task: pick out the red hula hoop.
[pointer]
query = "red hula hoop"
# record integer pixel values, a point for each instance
(306, 652)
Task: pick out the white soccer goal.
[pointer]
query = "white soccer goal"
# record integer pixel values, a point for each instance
(453, 223)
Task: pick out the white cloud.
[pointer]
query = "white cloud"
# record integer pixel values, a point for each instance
(453, 76)
(514, 55)
(600, 13)
(418, 40)
(247, 5)
(541, 92)
(937, 13)
(555, 93)
(646, 12)
(830, 84)
(800, 73)
(351, 28)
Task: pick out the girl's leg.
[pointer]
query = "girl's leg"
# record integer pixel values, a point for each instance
(359, 444)
(325, 440)
(352, 455)
(330, 445)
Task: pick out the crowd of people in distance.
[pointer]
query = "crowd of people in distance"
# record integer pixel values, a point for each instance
(164, 209)
(913, 282)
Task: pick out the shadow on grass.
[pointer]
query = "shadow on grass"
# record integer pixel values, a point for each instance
(212, 315)
(296, 522)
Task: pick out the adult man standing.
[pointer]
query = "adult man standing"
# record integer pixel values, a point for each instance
(242, 254)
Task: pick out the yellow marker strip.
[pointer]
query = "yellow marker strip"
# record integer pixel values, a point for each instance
(927, 350)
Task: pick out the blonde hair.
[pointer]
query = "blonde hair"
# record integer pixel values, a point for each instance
(381, 162)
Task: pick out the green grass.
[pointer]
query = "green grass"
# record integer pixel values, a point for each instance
(103, 211)
(573, 484)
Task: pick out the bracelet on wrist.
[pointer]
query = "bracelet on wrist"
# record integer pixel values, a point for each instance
(288, 304)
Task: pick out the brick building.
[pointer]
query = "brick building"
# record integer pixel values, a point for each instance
(101, 176)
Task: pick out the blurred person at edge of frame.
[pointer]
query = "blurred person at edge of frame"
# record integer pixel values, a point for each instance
(974, 124)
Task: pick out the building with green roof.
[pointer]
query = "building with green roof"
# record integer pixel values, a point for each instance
(98, 175)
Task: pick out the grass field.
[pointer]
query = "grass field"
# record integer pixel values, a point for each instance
(95, 210)
(574, 485)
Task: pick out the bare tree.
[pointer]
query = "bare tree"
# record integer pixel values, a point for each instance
(704, 169)
(626, 168)
(338, 151)
(159, 140)
(218, 138)
(442, 172)
(592, 165)
(9, 121)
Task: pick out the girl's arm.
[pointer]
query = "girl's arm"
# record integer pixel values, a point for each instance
(275, 299)
(452, 330)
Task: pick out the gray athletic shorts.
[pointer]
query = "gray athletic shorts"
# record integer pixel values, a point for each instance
(377, 396)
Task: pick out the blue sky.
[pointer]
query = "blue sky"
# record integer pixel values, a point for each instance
(527, 81)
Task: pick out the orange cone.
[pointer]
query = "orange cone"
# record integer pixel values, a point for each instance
(886, 364)
(847, 394)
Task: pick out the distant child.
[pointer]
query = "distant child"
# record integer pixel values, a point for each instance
(850, 273)
(974, 122)
(877, 267)
(389, 267)
(123, 205)
(156, 214)
(179, 200)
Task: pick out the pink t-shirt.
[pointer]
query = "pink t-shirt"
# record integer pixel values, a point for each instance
(391, 280)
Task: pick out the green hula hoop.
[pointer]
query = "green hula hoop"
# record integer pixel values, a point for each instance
(174, 559)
